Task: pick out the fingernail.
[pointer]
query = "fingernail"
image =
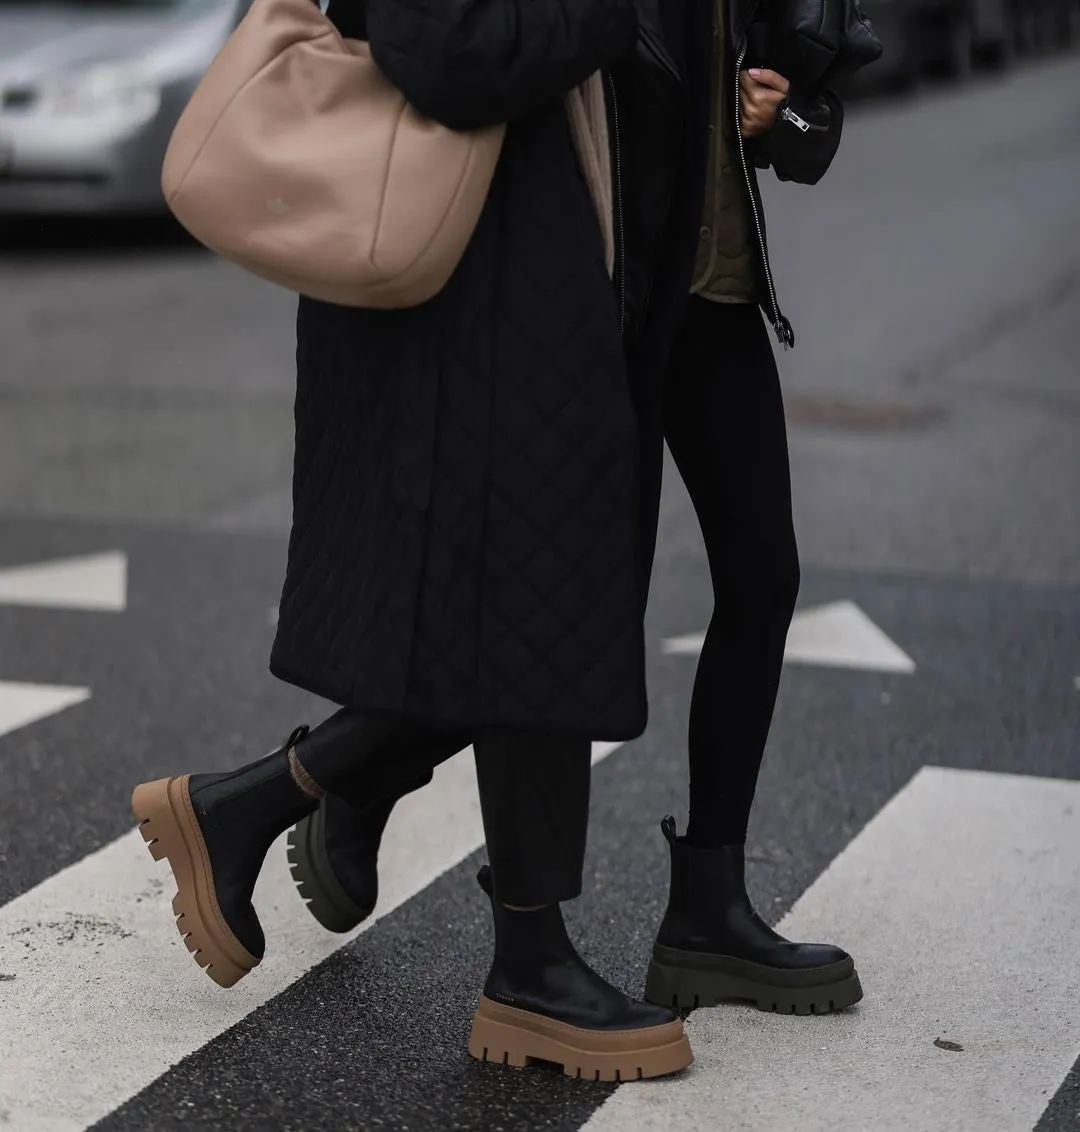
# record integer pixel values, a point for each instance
(755, 72)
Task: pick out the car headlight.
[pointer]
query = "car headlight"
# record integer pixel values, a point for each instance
(125, 88)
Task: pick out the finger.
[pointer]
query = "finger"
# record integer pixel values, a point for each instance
(765, 96)
(770, 103)
(761, 119)
(762, 76)
(765, 77)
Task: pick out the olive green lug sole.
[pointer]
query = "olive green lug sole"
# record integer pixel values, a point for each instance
(685, 980)
(326, 900)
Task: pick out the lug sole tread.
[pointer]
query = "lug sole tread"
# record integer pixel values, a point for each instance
(656, 1052)
(167, 825)
(307, 862)
(687, 989)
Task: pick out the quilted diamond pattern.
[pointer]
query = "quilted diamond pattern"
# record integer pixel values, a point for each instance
(465, 546)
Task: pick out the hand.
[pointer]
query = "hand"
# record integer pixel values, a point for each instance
(761, 92)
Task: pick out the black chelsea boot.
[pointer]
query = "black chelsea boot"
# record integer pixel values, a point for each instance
(543, 1002)
(214, 830)
(334, 857)
(712, 946)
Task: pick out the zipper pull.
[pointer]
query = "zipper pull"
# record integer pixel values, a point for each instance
(785, 335)
(789, 115)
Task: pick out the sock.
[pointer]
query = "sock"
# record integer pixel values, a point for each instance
(302, 779)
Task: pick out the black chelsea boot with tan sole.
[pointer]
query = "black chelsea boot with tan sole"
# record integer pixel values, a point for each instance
(543, 1003)
(214, 830)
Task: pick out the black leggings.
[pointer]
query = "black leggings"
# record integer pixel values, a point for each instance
(534, 792)
(724, 424)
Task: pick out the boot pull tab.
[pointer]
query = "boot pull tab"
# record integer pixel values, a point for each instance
(667, 826)
(296, 735)
(483, 879)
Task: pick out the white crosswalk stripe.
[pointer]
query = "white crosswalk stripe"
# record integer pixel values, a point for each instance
(22, 704)
(93, 582)
(112, 994)
(960, 900)
(96, 582)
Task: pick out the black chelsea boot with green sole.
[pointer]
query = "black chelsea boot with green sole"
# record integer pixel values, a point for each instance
(334, 857)
(713, 947)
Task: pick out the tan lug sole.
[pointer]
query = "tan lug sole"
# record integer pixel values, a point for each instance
(519, 1038)
(168, 826)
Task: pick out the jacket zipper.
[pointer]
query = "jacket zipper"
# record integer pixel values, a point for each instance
(802, 124)
(781, 326)
(617, 203)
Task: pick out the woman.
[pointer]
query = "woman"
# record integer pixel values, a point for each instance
(720, 408)
(703, 376)
(475, 501)
(464, 557)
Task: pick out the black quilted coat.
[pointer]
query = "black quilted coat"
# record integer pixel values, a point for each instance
(465, 546)
(477, 480)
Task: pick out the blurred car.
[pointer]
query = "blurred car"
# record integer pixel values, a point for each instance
(89, 93)
(1042, 24)
(956, 35)
(943, 36)
(950, 37)
(897, 27)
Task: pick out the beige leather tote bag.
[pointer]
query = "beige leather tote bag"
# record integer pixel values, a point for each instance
(297, 159)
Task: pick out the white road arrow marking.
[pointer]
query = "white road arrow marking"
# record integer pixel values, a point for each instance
(93, 582)
(838, 635)
(21, 704)
(959, 903)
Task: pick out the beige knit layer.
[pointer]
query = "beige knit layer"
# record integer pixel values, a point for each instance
(587, 112)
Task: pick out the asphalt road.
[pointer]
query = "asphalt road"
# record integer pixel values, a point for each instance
(934, 405)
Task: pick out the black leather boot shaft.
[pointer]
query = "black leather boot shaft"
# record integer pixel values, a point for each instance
(351, 842)
(709, 910)
(537, 968)
(240, 813)
(372, 759)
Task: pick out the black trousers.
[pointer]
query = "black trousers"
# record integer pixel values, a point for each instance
(534, 792)
(724, 424)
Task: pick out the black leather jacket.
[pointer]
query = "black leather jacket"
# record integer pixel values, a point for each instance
(659, 106)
